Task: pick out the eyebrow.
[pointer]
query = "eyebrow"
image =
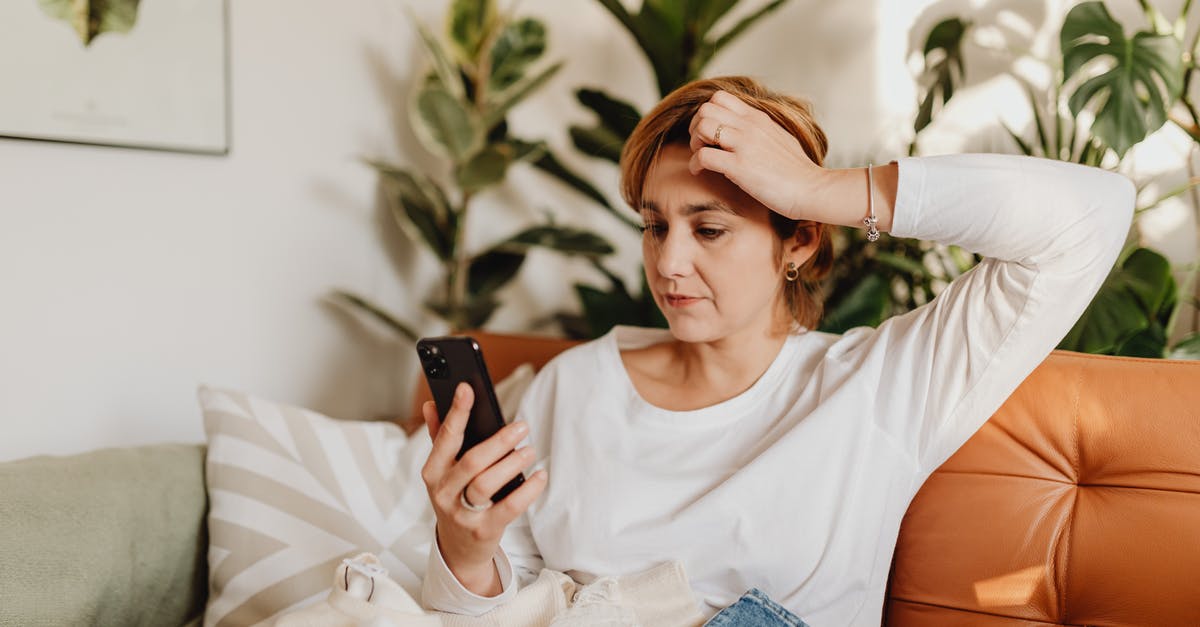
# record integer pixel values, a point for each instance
(693, 209)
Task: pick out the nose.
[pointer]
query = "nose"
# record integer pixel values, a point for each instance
(674, 254)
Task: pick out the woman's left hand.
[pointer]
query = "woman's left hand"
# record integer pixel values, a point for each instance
(753, 152)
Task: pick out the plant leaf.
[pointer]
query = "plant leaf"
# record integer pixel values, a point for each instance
(493, 270)
(355, 302)
(488, 166)
(597, 141)
(866, 304)
(420, 208)
(709, 48)
(90, 18)
(444, 125)
(445, 72)
(617, 116)
(565, 240)
(509, 98)
(1133, 97)
(467, 27)
(1127, 304)
(944, 43)
(517, 46)
(704, 14)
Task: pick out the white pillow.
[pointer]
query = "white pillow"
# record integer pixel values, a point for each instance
(292, 492)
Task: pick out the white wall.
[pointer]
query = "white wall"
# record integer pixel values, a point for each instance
(129, 277)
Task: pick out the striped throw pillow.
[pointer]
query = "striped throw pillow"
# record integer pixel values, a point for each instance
(292, 492)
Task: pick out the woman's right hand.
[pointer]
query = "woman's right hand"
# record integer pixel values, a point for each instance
(468, 540)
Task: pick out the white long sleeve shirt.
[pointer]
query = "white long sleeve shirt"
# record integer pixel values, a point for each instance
(798, 485)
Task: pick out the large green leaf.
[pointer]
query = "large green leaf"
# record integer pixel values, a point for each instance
(90, 18)
(867, 304)
(598, 142)
(488, 166)
(443, 123)
(420, 208)
(660, 38)
(943, 67)
(617, 116)
(493, 270)
(517, 46)
(1134, 96)
(467, 27)
(1130, 302)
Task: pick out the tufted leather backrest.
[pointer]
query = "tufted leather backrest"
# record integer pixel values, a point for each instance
(1077, 503)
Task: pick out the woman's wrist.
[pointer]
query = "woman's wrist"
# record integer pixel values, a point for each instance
(839, 196)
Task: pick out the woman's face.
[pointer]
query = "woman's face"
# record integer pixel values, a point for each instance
(713, 261)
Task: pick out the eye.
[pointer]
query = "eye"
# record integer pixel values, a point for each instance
(654, 229)
(710, 233)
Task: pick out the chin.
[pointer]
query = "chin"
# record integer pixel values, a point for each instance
(693, 331)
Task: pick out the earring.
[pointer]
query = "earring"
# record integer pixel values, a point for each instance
(792, 273)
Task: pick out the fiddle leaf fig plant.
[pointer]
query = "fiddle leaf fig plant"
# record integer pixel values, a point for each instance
(486, 65)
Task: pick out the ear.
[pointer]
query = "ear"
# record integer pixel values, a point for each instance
(803, 244)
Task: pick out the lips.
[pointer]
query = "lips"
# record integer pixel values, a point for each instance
(680, 300)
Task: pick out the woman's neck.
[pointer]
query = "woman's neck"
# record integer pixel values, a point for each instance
(684, 376)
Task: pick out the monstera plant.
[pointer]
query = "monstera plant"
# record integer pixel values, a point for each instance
(90, 18)
(1129, 86)
(678, 38)
(487, 64)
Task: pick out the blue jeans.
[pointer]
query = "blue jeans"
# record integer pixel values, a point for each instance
(755, 609)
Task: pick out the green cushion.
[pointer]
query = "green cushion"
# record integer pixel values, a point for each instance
(110, 537)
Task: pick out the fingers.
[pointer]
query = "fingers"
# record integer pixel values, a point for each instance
(483, 456)
(703, 127)
(711, 132)
(714, 159)
(429, 412)
(449, 437)
(488, 482)
(517, 501)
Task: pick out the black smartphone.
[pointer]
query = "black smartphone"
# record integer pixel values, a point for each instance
(448, 361)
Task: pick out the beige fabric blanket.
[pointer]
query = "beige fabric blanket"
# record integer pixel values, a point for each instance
(363, 596)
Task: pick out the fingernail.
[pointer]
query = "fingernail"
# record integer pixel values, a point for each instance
(520, 428)
(461, 391)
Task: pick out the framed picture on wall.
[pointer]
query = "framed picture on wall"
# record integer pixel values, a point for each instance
(137, 73)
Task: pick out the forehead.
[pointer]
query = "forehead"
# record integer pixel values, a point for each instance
(670, 186)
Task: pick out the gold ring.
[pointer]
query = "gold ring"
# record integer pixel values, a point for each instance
(717, 135)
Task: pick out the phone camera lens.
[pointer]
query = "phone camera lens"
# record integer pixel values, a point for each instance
(424, 352)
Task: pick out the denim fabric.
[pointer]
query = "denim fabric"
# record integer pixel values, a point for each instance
(755, 609)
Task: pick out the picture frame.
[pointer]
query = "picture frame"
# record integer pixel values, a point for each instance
(149, 74)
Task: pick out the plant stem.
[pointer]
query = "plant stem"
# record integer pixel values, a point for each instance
(458, 274)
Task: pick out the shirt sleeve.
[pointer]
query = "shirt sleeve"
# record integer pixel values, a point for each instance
(1049, 231)
(518, 559)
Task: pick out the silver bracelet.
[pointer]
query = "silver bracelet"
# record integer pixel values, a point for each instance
(870, 220)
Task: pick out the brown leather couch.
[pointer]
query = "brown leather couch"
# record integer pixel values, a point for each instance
(1077, 503)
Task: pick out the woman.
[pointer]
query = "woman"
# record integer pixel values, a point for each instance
(760, 453)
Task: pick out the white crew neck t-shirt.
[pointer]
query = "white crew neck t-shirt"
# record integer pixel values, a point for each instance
(797, 486)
